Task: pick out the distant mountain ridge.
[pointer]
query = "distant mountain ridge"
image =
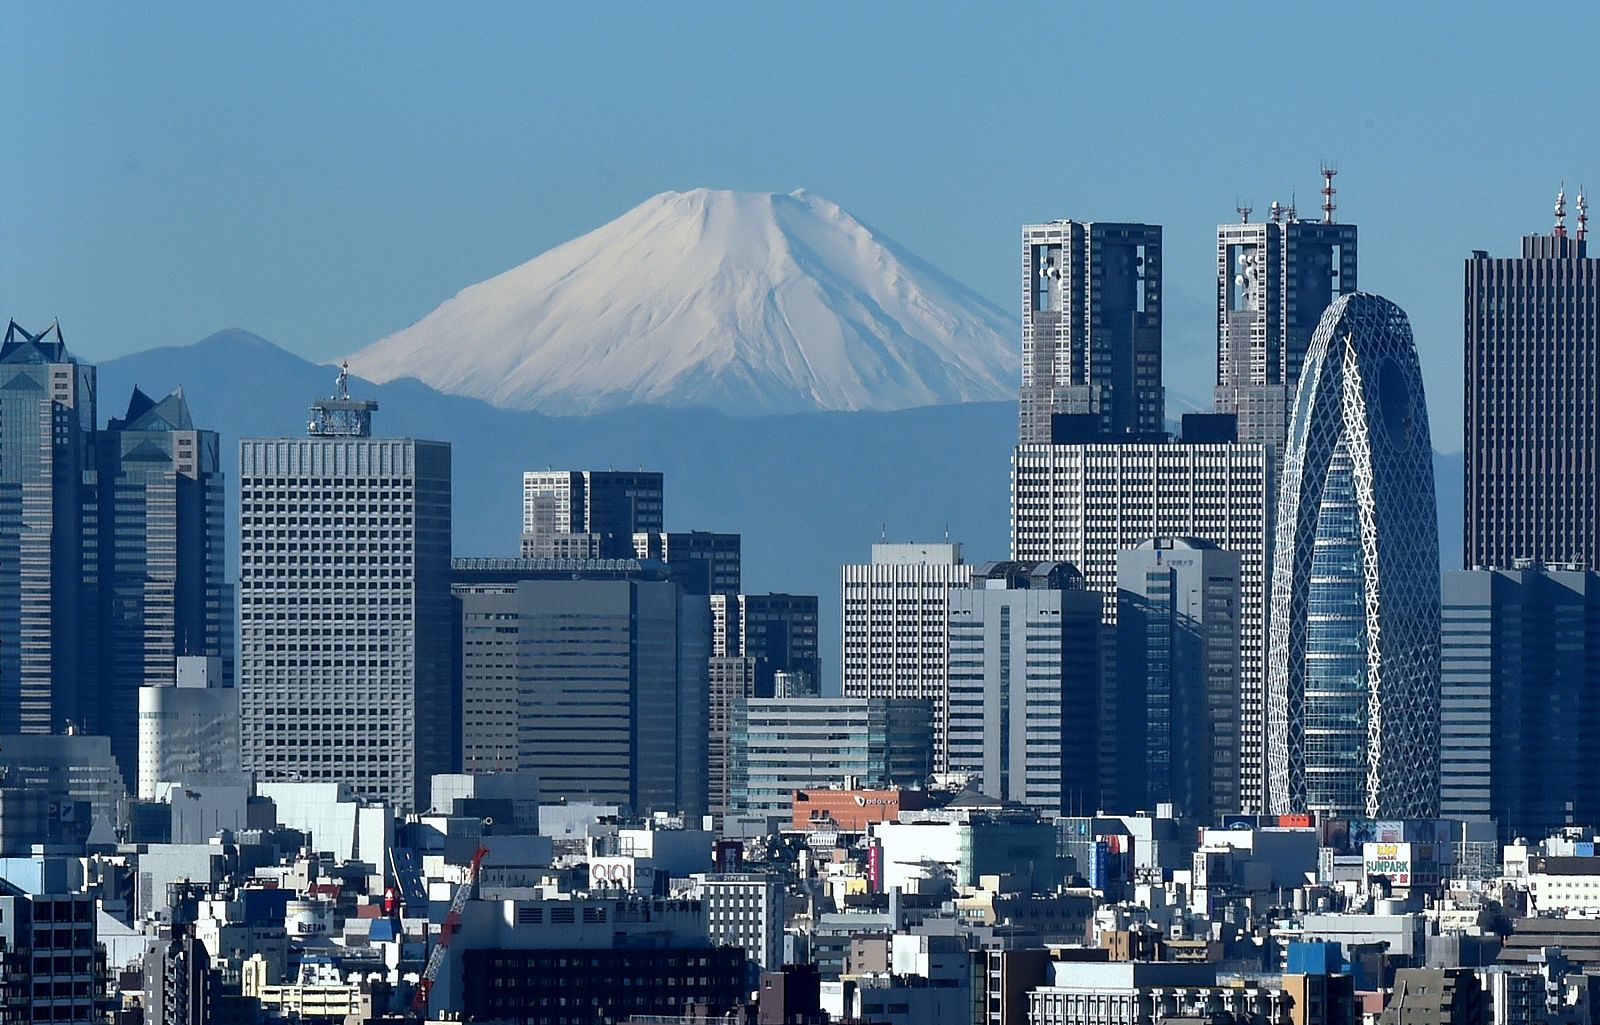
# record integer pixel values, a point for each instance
(744, 302)
(808, 491)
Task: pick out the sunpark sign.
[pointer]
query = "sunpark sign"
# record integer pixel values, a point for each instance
(1389, 860)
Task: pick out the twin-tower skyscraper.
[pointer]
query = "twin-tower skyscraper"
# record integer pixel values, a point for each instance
(1317, 473)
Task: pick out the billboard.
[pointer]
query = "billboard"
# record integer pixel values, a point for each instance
(1392, 861)
(621, 874)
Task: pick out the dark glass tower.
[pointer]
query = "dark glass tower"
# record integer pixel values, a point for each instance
(47, 558)
(1091, 328)
(1532, 424)
(162, 594)
(1274, 279)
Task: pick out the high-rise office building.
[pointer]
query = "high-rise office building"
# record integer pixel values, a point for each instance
(1353, 648)
(48, 564)
(1274, 279)
(1024, 675)
(756, 640)
(1532, 427)
(111, 547)
(1091, 327)
(1178, 664)
(588, 514)
(163, 596)
(589, 674)
(704, 562)
(1084, 503)
(896, 626)
(1520, 698)
(345, 621)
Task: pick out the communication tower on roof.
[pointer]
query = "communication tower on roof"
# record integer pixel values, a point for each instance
(1561, 211)
(341, 416)
(1328, 205)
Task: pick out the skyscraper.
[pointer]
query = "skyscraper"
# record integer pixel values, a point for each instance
(48, 564)
(588, 514)
(754, 639)
(345, 623)
(895, 626)
(161, 521)
(593, 674)
(1084, 503)
(1024, 676)
(1091, 327)
(1520, 683)
(1532, 427)
(1353, 648)
(1178, 665)
(1274, 279)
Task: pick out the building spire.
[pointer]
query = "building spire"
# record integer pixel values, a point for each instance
(1583, 214)
(1561, 211)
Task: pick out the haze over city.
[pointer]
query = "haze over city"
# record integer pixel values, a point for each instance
(811, 515)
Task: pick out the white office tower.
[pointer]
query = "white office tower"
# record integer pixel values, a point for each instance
(1024, 671)
(1084, 503)
(896, 626)
(345, 619)
(187, 728)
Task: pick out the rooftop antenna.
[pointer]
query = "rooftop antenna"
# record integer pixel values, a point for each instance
(1561, 211)
(1244, 212)
(1292, 213)
(883, 532)
(1328, 205)
(341, 386)
(1583, 214)
(1276, 212)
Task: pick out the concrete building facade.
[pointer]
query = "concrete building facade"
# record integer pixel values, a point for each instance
(1532, 426)
(896, 626)
(345, 668)
(1084, 503)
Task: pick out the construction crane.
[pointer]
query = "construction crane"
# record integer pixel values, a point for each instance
(452, 922)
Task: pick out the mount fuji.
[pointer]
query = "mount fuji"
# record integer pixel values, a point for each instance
(746, 303)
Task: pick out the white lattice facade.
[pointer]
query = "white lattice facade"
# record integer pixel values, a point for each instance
(1353, 648)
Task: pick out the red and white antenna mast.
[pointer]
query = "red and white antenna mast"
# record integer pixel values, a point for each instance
(1328, 205)
(1583, 214)
(1561, 211)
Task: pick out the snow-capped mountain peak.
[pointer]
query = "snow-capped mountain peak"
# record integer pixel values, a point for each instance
(748, 302)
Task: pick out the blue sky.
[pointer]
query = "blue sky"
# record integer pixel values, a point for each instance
(325, 174)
